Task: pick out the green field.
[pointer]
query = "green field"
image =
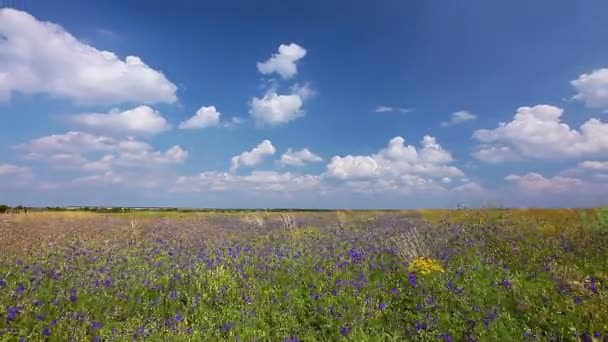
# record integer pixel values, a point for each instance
(429, 275)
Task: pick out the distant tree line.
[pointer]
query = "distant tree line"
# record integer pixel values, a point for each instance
(18, 209)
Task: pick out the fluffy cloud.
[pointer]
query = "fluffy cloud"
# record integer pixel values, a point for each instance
(77, 149)
(395, 161)
(594, 165)
(398, 169)
(299, 158)
(283, 62)
(139, 120)
(257, 181)
(592, 88)
(538, 133)
(253, 157)
(41, 57)
(459, 117)
(9, 169)
(273, 109)
(204, 117)
(535, 183)
(386, 109)
(209, 117)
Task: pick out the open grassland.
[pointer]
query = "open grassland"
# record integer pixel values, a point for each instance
(476, 275)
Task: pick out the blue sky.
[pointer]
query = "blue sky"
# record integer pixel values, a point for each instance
(329, 104)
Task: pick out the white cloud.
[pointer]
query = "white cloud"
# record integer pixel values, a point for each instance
(459, 117)
(257, 181)
(299, 158)
(283, 62)
(398, 168)
(10, 169)
(535, 183)
(204, 117)
(77, 150)
(538, 133)
(209, 117)
(139, 120)
(386, 109)
(41, 57)
(594, 165)
(273, 109)
(253, 157)
(592, 88)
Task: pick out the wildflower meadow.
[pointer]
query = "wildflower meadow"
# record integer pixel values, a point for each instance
(462, 275)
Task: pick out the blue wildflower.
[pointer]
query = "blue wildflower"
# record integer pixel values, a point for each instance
(505, 283)
(179, 318)
(394, 290)
(227, 326)
(344, 331)
(20, 290)
(73, 295)
(382, 306)
(12, 313)
(412, 279)
(47, 331)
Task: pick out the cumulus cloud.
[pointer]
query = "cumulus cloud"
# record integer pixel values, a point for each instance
(535, 183)
(299, 158)
(387, 109)
(10, 169)
(139, 120)
(283, 62)
(538, 133)
(273, 109)
(209, 117)
(253, 157)
(594, 165)
(459, 117)
(592, 88)
(39, 57)
(257, 181)
(204, 117)
(397, 160)
(78, 149)
(398, 168)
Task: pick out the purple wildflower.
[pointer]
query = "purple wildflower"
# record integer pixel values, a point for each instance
(73, 295)
(96, 339)
(291, 339)
(420, 326)
(344, 331)
(382, 306)
(108, 282)
(578, 300)
(40, 317)
(20, 290)
(447, 338)
(23, 339)
(47, 331)
(179, 318)
(227, 326)
(412, 279)
(173, 295)
(2, 282)
(96, 325)
(12, 313)
(505, 283)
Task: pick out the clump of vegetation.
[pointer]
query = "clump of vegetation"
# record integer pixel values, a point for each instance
(503, 275)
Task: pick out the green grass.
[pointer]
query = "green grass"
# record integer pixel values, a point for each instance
(509, 275)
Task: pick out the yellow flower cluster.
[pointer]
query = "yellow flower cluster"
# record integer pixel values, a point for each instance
(425, 266)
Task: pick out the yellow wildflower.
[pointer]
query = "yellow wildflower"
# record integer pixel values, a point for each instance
(425, 266)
